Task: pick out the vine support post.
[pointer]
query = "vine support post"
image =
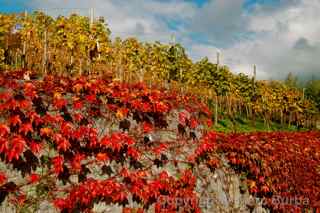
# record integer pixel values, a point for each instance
(141, 74)
(24, 47)
(91, 12)
(16, 60)
(45, 52)
(216, 111)
(23, 62)
(7, 49)
(290, 119)
(254, 92)
(98, 48)
(121, 72)
(80, 67)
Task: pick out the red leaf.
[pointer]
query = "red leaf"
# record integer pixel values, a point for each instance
(193, 123)
(122, 112)
(46, 132)
(147, 127)
(102, 157)
(161, 107)
(5, 96)
(4, 130)
(159, 149)
(25, 104)
(78, 117)
(91, 98)
(140, 210)
(35, 147)
(132, 152)
(127, 210)
(163, 175)
(146, 107)
(34, 117)
(66, 129)
(209, 122)
(26, 128)
(76, 162)
(77, 105)
(33, 178)
(3, 178)
(62, 143)
(59, 103)
(29, 90)
(15, 120)
(17, 147)
(3, 145)
(183, 116)
(57, 164)
(61, 203)
(106, 141)
(20, 199)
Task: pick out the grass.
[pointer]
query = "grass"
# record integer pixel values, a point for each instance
(241, 124)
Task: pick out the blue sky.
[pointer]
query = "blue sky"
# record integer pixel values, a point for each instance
(9, 6)
(279, 36)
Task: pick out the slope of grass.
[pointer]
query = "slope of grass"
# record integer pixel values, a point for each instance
(241, 124)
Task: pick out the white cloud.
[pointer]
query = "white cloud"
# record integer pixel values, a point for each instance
(286, 40)
(127, 18)
(222, 22)
(279, 33)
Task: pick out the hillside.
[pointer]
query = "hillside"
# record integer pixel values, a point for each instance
(141, 148)
(74, 46)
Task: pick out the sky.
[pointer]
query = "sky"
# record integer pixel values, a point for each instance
(279, 36)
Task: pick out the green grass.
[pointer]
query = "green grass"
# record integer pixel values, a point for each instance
(240, 124)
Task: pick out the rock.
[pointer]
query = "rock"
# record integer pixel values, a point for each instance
(47, 207)
(218, 191)
(223, 193)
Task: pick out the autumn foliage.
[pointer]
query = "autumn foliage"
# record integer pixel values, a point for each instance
(83, 141)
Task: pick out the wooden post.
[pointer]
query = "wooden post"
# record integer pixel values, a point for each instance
(98, 48)
(7, 49)
(216, 97)
(121, 70)
(141, 75)
(303, 93)
(16, 60)
(91, 11)
(23, 62)
(290, 119)
(218, 61)
(253, 87)
(45, 52)
(45, 59)
(24, 47)
(216, 111)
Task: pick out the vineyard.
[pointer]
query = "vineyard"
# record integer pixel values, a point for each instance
(87, 122)
(75, 46)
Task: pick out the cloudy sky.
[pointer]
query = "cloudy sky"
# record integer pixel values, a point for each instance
(279, 36)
